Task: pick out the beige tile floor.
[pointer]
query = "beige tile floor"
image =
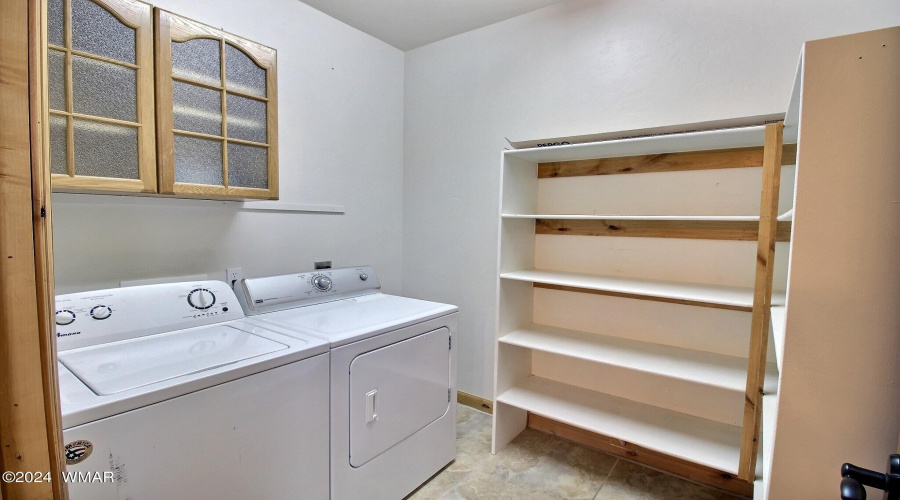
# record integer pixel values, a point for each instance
(541, 466)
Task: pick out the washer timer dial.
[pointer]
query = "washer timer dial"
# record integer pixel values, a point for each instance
(100, 312)
(201, 298)
(322, 283)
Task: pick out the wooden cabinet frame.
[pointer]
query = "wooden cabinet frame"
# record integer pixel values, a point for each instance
(137, 15)
(170, 27)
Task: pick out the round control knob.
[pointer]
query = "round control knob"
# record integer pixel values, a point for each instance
(201, 298)
(100, 312)
(363, 276)
(323, 283)
(65, 317)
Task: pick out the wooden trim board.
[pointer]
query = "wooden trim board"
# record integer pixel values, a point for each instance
(29, 405)
(689, 229)
(665, 162)
(477, 402)
(762, 300)
(629, 451)
(42, 225)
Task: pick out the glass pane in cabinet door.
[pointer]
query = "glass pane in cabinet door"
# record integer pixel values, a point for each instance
(248, 166)
(103, 89)
(246, 119)
(56, 61)
(198, 161)
(242, 74)
(197, 109)
(55, 23)
(97, 31)
(105, 150)
(58, 141)
(197, 60)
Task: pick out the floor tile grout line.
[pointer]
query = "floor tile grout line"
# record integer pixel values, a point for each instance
(605, 479)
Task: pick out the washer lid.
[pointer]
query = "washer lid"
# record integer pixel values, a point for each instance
(121, 366)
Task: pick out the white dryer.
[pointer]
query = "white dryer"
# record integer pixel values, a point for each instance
(393, 374)
(167, 392)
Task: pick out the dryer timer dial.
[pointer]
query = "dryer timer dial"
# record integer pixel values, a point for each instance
(323, 283)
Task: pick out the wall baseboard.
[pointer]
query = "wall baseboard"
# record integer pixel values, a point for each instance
(629, 451)
(477, 402)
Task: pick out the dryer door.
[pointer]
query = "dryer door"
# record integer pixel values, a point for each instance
(397, 390)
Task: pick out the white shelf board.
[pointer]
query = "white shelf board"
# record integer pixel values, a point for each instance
(691, 438)
(174, 201)
(770, 406)
(778, 315)
(692, 141)
(694, 292)
(787, 216)
(766, 447)
(758, 488)
(792, 117)
(280, 206)
(727, 218)
(705, 368)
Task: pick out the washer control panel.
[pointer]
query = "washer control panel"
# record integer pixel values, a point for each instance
(275, 293)
(101, 316)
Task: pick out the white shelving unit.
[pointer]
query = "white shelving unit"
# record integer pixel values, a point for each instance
(655, 386)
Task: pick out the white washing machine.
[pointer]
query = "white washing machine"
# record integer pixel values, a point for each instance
(393, 374)
(167, 392)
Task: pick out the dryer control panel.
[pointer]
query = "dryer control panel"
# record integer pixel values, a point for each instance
(97, 317)
(275, 293)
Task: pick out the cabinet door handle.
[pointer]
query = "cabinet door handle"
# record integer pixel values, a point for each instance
(371, 415)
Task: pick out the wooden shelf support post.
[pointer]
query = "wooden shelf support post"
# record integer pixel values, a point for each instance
(762, 298)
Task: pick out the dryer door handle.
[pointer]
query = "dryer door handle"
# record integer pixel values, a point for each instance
(371, 414)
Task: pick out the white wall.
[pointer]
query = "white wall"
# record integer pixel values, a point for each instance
(583, 66)
(340, 113)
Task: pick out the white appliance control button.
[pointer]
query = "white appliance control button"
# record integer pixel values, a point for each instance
(323, 283)
(201, 298)
(363, 276)
(100, 312)
(65, 317)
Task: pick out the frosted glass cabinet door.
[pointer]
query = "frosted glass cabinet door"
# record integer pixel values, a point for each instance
(101, 95)
(216, 111)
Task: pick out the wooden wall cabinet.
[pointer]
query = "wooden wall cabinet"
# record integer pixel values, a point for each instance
(216, 109)
(207, 127)
(100, 72)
